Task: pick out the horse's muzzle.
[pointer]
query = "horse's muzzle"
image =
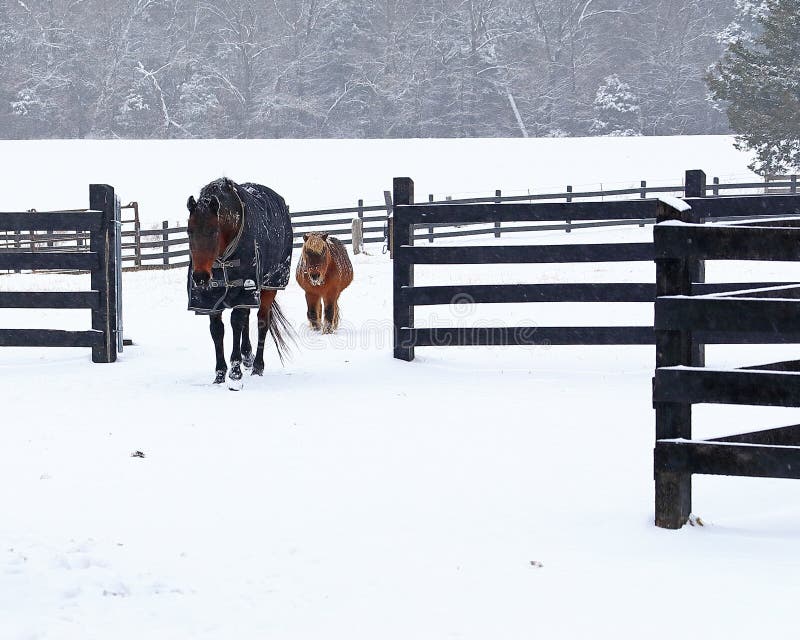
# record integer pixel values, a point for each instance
(200, 278)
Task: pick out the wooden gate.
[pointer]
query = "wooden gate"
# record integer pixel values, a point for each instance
(101, 258)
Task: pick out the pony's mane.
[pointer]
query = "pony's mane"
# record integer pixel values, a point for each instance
(315, 243)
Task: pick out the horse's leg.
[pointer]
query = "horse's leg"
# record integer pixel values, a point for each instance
(247, 348)
(314, 304)
(331, 319)
(218, 335)
(238, 320)
(267, 298)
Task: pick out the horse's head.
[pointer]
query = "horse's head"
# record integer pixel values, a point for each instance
(214, 221)
(316, 256)
(204, 236)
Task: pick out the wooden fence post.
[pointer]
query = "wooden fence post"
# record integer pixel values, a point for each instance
(357, 235)
(403, 273)
(165, 239)
(673, 491)
(569, 199)
(696, 188)
(137, 240)
(357, 229)
(17, 244)
(715, 188)
(642, 194)
(115, 266)
(793, 186)
(695, 183)
(430, 226)
(387, 198)
(497, 195)
(103, 279)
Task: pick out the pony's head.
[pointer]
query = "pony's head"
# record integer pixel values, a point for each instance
(213, 222)
(315, 256)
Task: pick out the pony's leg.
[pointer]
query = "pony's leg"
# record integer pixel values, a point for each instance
(331, 319)
(336, 312)
(238, 321)
(218, 335)
(314, 304)
(247, 348)
(267, 298)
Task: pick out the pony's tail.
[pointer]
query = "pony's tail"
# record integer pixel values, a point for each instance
(282, 332)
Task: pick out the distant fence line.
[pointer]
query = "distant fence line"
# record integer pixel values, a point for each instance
(167, 247)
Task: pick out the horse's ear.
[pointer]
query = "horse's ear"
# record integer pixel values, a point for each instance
(191, 204)
(305, 236)
(227, 183)
(214, 204)
(324, 236)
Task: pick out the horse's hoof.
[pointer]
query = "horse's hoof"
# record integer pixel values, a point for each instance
(248, 359)
(258, 371)
(235, 374)
(220, 378)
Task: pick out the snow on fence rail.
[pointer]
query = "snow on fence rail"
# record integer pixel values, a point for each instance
(167, 247)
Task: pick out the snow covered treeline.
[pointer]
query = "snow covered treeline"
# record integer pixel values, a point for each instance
(358, 68)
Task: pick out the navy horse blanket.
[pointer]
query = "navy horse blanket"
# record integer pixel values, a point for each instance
(259, 257)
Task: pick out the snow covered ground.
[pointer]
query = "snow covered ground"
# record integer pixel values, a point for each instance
(473, 493)
(317, 174)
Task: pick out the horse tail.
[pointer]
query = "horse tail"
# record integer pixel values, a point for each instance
(282, 332)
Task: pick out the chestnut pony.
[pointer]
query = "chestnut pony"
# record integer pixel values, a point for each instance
(323, 272)
(240, 241)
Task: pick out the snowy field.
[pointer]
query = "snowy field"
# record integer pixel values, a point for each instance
(322, 174)
(473, 493)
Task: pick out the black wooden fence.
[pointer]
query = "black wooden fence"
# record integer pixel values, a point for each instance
(749, 314)
(408, 215)
(99, 225)
(167, 246)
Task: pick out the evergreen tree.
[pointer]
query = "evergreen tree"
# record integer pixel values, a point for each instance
(616, 109)
(760, 84)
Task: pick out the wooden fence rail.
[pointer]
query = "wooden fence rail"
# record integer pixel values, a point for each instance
(167, 246)
(408, 215)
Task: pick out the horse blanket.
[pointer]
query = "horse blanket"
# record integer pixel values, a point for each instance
(259, 257)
